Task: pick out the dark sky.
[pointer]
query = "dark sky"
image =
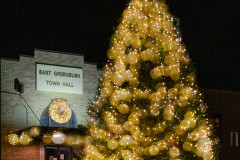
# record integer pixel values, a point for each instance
(210, 30)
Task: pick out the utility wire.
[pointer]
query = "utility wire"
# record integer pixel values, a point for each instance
(25, 102)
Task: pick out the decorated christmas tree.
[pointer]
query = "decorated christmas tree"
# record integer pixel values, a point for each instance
(149, 105)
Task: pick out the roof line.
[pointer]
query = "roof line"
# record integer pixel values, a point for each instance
(70, 53)
(11, 59)
(26, 55)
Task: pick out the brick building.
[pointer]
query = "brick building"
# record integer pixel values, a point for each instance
(29, 109)
(17, 113)
(224, 109)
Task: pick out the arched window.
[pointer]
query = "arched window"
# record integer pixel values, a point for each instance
(47, 121)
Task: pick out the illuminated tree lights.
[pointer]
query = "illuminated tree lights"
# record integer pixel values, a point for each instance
(149, 105)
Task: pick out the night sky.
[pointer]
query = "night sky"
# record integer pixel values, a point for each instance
(210, 30)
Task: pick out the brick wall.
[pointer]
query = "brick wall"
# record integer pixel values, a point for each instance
(9, 152)
(24, 70)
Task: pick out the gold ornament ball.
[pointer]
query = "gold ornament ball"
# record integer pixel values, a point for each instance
(179, 130)
(168, 59)
(128, 125)
(188, 146)
(162, 90)
(133, 57)
(198, 152)
(117, 79)
(101, 148)
(126, 140)
(145, 55)
(134, 118)
(111, 54)
(135, 131)
(113, 157)
(105, 92)
(194, 136)
(90, 149)
(182, 101)
(128, 75)
(47, 138)
(136, 110)
(155, 59)
(153, 150)
(174, 152)
(112, 144)
(175, 75)
(207, 156)
(168, 114)
(123, 108)
(185, 124)
(154, 110)
(142, 27)
(162, 144)
(25, 138)
(13, 138)
(120, 66)
(140, 151)
(157, 72)
(58, 137)
(188, 93)
(193, 122)
(155, 97)
(147, 141)
(34, 131)
(134, 82)
(172, 93)
(189, 114)
(118, 129)
(204, 145)
(136, 43)
(126, 153)
(122, 94)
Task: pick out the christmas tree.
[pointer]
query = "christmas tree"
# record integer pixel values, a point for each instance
(149, 105)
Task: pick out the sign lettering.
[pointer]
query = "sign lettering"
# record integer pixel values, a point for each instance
(53, 78)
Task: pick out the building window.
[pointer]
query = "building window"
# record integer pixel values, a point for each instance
(233, 139)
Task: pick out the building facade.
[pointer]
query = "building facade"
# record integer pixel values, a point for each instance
(224, 110)
(31, 107)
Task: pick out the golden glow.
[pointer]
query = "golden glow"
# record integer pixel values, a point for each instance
(34, 131)
(47, 138)
(25, 138)
(60, 111)
(58, 137)
(13, 138)
(147, 36)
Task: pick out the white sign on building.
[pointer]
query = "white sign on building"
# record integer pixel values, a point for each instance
(54, 78)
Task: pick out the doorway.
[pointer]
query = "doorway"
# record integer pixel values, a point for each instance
(58, 153)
